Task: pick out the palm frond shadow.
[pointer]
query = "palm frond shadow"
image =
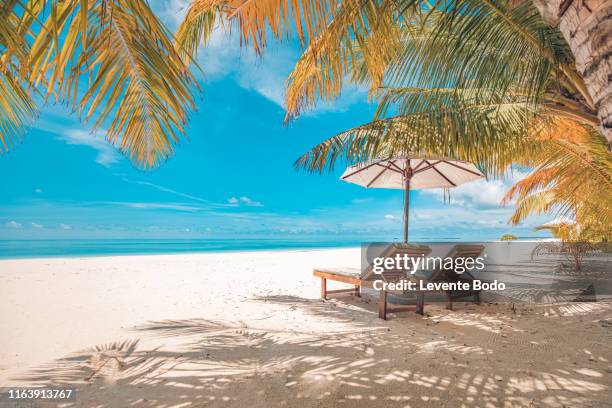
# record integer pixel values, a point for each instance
(110, 361)
(227, 363)
(358, 312)
(547, 279)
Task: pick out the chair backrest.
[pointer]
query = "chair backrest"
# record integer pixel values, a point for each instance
(459, 251)
(412, 251)
(466, 251)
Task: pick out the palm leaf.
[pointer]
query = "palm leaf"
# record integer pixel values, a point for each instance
(446, 130)
(359, 41)
(197, 27)
(115, 61)
(254, 19)
(571, 169)
(469, 43)
(17, 108)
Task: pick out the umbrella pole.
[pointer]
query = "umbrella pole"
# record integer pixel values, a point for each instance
(407, 203)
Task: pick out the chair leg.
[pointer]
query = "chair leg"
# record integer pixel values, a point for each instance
(323, 288)
(382, 305)
(420, 304)
(357, 290)
(449, 301)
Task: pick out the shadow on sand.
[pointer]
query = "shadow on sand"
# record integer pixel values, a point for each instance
(453, 359)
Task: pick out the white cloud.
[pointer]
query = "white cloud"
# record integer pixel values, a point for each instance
(13, 224)
(250, 203)
(35, 225)
(161, 206)
(38, 191)
(73, 133)
(171, 12)
(481, 193)
(459, 216)
(65, 227)
(107, 154)
(267, 75)
(361, 200)
(206, 203)
(224, 56)
(468, 217)
(245, 201)
(389, 217)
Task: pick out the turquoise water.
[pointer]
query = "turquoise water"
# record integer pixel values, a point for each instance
(102, 247)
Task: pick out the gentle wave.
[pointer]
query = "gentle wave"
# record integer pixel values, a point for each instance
(102, 247)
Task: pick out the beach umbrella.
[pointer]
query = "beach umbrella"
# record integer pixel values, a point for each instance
(409, 173)
(559, 226)
(556, 223)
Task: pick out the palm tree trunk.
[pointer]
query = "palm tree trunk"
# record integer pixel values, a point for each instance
(587, 27)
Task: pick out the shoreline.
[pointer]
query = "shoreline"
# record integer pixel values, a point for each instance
(315, 246)
(184, 253)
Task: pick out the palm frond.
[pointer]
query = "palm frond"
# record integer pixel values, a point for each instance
(472, 80)
(336, 32)
(115, 61)
(448, 130)
(470, 46)
(17, 110)
(359, 41)
(17, 107)
(535, 181)
(571, 169)
(197, 27)
(254, 19)
(536, 203)
(469, 43)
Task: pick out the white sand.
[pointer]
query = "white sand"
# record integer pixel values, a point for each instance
(248, 329)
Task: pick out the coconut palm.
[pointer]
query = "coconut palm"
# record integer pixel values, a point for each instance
(111, 61)
(471, 80)
(357, 38)
(495, 90)
(586, 27)
(484, 81)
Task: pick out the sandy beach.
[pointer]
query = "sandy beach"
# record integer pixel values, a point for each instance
(248, 328)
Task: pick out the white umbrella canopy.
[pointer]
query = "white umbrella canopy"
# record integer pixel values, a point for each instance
(557, 222)
(408, 173)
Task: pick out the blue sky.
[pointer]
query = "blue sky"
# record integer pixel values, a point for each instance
(234, 177)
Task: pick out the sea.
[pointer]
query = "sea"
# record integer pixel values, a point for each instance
(111, 247)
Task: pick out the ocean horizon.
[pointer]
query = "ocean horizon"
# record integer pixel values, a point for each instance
(43, 248)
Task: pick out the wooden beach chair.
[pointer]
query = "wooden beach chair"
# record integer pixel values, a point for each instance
(443, 275)
(354, 277)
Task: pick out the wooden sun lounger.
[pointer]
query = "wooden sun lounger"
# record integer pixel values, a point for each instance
(346, 275)
(354, 277)
(459, 251)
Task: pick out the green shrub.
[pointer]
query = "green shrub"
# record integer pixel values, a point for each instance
(508, 237)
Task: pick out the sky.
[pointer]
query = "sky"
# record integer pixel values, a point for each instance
(233, 177)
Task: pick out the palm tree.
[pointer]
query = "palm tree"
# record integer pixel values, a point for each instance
(502, 75)
(484, 81)
(337, 33)
(111, 61)
(586, 27)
